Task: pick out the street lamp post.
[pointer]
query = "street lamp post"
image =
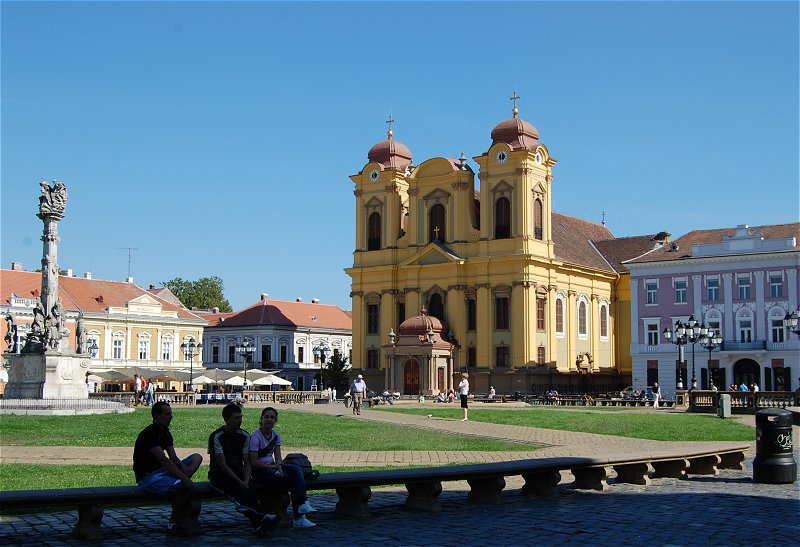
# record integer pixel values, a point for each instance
(322, 352)
(245, 350)
(791, 320)
(189, 351)
(689, 333)
(711, 342)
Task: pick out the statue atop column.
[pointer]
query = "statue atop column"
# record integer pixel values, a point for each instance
(53, 200)
(49, 317)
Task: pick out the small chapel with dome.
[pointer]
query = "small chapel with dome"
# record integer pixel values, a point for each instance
(456, 271)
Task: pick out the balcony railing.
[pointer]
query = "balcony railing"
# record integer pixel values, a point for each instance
(734, 345)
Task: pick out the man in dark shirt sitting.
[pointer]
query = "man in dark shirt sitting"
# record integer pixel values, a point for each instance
(230, 470)
(157, 468)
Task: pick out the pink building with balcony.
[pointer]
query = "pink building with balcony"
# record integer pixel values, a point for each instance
(737, 282)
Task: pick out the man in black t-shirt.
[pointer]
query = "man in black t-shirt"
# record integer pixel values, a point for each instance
(230, 469)
(157, 468)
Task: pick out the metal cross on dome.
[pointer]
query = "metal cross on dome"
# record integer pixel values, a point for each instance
(390, 121)
(515, 98)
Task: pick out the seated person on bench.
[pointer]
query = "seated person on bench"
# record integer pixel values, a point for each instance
(270, 471)
(229, 449)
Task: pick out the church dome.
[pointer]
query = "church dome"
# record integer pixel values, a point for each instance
(391, 154)
(421, 324)
(517, 133)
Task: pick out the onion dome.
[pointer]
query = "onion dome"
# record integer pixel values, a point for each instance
(421, 324)
(516, 132)
(390, 153)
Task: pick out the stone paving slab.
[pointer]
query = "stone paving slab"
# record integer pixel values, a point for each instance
(727, 509)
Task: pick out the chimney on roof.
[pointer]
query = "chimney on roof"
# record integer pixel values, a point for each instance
(264, 296)
(129, 279)
(69, 272)
(315, 300)
(215, 309)
(298, 299)
(152, 287)
(16, 266)
(87, 275)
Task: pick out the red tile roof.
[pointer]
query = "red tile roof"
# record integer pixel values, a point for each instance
(696, 237)
(621, 249)
(572, 239)
(80, 294)
(285, 313)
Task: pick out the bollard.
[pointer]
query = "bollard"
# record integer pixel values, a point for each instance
(774, 462)
(724, 410)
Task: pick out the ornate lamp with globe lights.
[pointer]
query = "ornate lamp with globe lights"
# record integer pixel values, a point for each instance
(711, 342)
(191, 349)
(246, 351)
(691, 332)
(791, 320)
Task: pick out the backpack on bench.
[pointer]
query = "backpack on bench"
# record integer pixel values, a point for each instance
(302, 461)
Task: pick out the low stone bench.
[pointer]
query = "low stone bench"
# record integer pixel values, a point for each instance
(90, 502)
(424, 485)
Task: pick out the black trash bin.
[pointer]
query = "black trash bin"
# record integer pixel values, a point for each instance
(774, 462)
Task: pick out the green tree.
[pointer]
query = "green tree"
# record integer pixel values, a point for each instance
(205, 293)
(334, 372)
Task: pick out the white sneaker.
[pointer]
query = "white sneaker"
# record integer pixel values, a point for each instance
(302, 522)
(306, 509)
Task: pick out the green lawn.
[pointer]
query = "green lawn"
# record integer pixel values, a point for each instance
(191, 427)
(658, 426)
(20, 476)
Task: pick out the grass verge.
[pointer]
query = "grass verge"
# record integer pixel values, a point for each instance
(656, 425)
(191, 428)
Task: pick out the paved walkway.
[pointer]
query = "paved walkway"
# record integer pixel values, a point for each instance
(728, 509)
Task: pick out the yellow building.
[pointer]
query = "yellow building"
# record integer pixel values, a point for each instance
(524, 297)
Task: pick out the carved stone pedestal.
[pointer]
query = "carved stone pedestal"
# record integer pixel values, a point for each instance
(47, 376)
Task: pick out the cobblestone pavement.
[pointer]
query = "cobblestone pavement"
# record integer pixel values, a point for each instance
(726, 509)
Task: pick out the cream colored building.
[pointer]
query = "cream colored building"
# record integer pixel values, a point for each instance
(524, 297)
(129, 325)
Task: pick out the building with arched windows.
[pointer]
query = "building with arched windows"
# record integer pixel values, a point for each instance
(523, 297)
(739, 283)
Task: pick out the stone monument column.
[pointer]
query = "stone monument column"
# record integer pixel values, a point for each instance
(46, 368)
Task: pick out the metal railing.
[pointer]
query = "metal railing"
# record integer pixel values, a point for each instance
(734, 345)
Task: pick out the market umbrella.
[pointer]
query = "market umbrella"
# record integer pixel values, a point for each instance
(113, 376)
(271, 380)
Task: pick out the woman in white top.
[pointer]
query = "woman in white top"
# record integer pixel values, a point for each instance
(463, 391)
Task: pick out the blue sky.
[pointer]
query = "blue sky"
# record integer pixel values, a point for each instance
(217, 138)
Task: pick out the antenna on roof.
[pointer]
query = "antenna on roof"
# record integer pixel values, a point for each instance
(130, 249)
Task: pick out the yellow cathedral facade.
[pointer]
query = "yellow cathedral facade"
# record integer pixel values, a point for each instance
(456, 272)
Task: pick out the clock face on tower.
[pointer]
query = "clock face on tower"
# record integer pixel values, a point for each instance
(373, 175)
(502, 156)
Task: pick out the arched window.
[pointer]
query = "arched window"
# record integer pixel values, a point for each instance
(502, 218)
(603, 321)
(436, 306)
(560, 316)
(582, 318)
(374, 232)
(538, 232)
(436, 223)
